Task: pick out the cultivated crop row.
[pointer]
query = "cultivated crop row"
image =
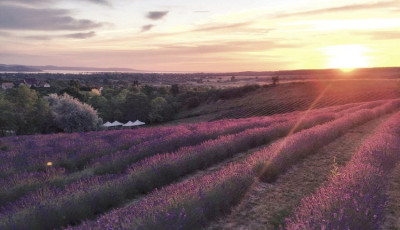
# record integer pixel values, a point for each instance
(22, 183)
(355, 198)
(117, 162)
(190, 204)
(98, 194)
(31, 153)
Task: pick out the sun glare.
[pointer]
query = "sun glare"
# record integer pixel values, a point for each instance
(346, 57)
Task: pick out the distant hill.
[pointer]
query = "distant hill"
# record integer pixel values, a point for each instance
(50, 67)
(24, 68)
(379, 70)
(18, 68)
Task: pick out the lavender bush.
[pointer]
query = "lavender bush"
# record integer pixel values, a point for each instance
(355, 198)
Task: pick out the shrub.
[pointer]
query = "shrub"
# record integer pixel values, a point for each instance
(70, 115)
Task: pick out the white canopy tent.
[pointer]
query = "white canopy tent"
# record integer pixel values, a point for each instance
(116, 123)
(133, 124)
(138, 123)
(129, 124)
(107, 124)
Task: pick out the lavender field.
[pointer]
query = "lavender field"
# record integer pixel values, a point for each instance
(194, 175)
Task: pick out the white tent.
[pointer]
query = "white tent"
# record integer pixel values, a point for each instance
(107, 124)
(137, 123)
(129, 124)
(116, 123)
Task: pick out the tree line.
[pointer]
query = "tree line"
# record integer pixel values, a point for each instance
(71, 107)
(23, 111)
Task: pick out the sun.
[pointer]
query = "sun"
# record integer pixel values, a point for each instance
(346, 57)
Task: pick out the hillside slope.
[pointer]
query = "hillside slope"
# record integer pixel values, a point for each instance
(290, 97)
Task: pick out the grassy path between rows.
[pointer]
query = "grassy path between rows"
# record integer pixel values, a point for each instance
(268, 204)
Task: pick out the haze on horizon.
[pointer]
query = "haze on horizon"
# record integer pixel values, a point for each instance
(178, 35)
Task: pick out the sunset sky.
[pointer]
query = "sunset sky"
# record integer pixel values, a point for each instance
(206, 35)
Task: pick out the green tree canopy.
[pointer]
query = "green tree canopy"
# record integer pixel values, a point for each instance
(29, 112)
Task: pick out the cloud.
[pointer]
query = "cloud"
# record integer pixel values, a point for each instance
(102, 2)
(218, 28)
(221, 47)
(201, 11)
(25, 18)
(38, 37)
(50, 37)
(81, 35)
(350, 8)
(26, 2)
(211, 56)
(147, 27)
(206, 28)
(381, 35)
(36, 2)
(156, 15)
(4, 34)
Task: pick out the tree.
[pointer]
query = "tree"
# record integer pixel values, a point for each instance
(162, 90)
(193, 102)
(148, 90)
(74, 92)
(7, 118)
(28, 110)
(160, 110)
(101, 105)
(175, 89)
(70, 115)
(137, 106)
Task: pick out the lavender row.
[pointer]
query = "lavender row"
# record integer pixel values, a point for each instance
(355, 198)
(192, 203)
(31, 153)
(274, 131)
(323, 111)
(31, 181)
(23, 183)
(282, 161)
(24, 189)
(153, 173)
(228, 126)
(118, 162)
(64, 153)
(20, 183)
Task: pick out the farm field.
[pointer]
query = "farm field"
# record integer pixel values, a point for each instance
(291, 97)
(199, 115)
(263, 172)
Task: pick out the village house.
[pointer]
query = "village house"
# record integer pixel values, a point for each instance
(43, 85)
(7, 85)
(31, 82)
(20, 83)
